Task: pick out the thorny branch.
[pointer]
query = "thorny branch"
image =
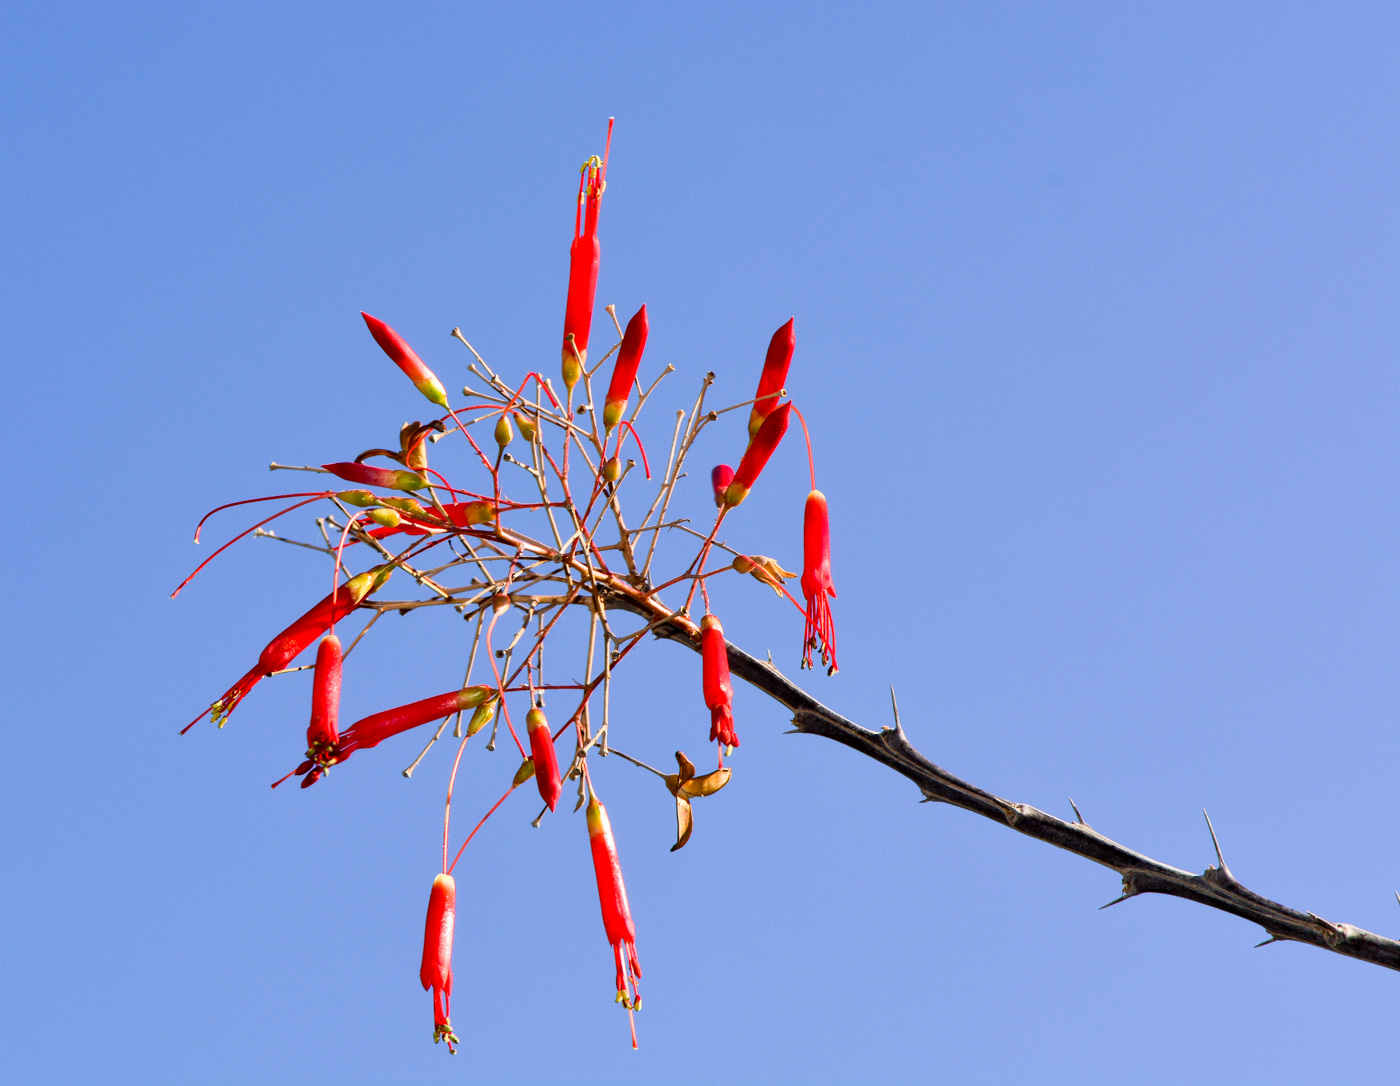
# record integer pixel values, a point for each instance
(1216, 887)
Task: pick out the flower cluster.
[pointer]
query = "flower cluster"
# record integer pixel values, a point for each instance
(533, 527)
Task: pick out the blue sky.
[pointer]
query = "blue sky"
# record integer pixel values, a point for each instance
(1095, 308)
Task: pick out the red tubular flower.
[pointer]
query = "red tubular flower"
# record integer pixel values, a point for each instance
(820, 631)
(436, 970)
(321, 733)
(720, 477)
(373, 730)
(774, 376)
(583, 265)
(285, 647)
(388, 478)
(542, 753)
(714, 675)
(404, 357)
(756, 455)
(629, 357)
(617, 916)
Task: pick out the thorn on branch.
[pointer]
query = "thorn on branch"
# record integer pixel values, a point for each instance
(1078, 817)
(898, 728)
(1271, 939)
(1224, 868)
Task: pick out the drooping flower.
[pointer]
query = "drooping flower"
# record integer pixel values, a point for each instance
(774, 375)
(757, 454)
(285, 647)
(583, 265)
(714, 675)
(819, 631)
(721, 475)
(542, 753)
(617, 916)
(436, 970)
(629, 358)
(424, 380)
(321, 733)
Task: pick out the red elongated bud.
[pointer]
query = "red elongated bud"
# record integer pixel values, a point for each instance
(715, 681)
(542, 754)
(757, 454)
(436, 970)
(720, 477)
(774, 376)
(373, 730)
(367, 475)
(629, 357)
(583, 266)
(321, 733)
(404, 357)
(819, 631)
(285, 647)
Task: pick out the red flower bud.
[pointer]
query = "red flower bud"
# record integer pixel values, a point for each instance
(394, 346)
(436, 970)
(388, 478)
(720, 477)
(629, 357)
(819, 631)
(714, 674)
(542, 754)
(774, 376)
(757, 454)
